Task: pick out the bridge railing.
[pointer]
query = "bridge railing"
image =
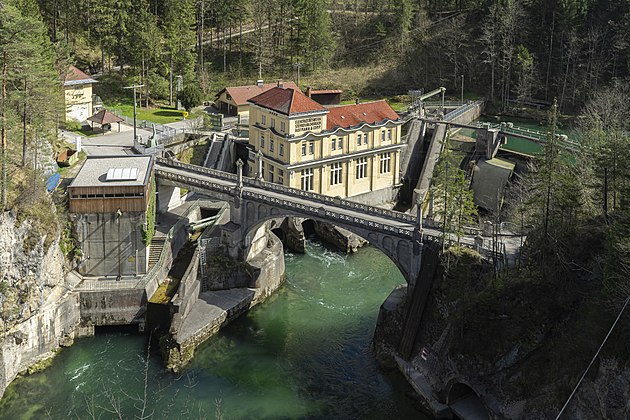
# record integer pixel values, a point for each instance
(293, 192)
(461, 110)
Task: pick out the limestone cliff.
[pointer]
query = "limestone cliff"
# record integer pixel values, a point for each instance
(37, 312)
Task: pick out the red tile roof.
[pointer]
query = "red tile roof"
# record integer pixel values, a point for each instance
(241, 94)
(352, 115)
(286, 101)
(77, 77)
(326, 91)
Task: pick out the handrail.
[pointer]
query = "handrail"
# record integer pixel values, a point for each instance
(294, 192)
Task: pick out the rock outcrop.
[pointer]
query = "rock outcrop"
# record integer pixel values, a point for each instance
(340, 238)
(37, 312)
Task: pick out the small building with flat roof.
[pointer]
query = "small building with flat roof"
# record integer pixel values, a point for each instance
(112, 201)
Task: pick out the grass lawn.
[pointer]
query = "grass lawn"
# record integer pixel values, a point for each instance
(161, 115)
(88, 132)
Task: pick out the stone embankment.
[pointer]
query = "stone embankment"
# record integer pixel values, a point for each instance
(38, 312)
(228, 288)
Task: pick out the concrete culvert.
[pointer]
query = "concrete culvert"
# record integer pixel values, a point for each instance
(466, 404)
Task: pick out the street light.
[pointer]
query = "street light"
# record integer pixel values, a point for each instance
(298, 66)
(135, 136)
(462, 89)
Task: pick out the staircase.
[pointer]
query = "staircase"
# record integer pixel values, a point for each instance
(155, 250)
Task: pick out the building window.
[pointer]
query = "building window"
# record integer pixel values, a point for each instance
(262, 140)
(385, 163)
(282, 126)
(333, 144)
(382, 136)
(273, 123)
(336, 172)
(303, 148)
(281, 149)
(280, 176)
(262, 171)
(271, 172)
(271, 142)
(264, 119)
(361, 168)
(340, 143)
(365, 138)
(311, 147)
(307, 179)
(359, 139)
(389, 135)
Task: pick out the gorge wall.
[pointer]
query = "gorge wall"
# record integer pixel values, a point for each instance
(38, 313)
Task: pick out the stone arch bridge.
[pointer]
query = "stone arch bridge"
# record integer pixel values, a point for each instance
(397, 235)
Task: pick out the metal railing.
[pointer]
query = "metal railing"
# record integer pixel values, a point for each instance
(462, 110)
(293, 192)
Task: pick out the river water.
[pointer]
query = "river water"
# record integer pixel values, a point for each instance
(305, 353)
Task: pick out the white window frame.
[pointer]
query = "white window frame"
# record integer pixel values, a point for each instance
(307, 178)
(333, 144)
(336, 173)
(303, 148)
(361, 168)
(385, 163)
(311, 147)
(358, 139)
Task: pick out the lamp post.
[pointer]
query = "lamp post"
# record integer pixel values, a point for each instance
(134, 87)
(298, 66)
(462, 89)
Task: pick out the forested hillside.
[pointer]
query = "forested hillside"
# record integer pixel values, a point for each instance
(504, 49)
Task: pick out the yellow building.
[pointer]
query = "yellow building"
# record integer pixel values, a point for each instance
(77, 88)
(232, 101)
(346, 151)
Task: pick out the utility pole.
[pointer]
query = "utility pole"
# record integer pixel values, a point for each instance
(134, 87)
(298, 66)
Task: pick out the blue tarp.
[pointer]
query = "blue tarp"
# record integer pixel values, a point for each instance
(53, 181)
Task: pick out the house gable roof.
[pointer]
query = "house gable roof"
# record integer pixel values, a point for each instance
(241, 94)
(346, 116)
(74, 76)
(287, 101)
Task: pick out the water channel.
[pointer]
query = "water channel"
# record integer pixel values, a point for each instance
(306, 353)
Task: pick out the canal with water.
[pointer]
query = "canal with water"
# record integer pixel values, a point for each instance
(305, 353)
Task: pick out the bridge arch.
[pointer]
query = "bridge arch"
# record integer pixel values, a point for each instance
(398, 250)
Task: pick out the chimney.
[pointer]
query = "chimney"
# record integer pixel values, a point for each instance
(357, 101)
(280, 84)
(259, 83)
(308, 91)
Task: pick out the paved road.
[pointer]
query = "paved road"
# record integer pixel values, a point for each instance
(112, 143)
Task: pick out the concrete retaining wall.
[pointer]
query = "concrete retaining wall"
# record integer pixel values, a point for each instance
(113, 307)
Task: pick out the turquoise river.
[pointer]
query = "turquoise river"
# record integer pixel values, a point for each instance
(305, 353)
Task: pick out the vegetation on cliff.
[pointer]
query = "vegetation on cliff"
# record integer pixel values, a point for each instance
(528, 333)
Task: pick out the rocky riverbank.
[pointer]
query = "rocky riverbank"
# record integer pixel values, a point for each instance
(38, 312)
(512, 344)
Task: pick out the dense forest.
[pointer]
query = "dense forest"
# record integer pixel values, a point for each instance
(505, 49)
